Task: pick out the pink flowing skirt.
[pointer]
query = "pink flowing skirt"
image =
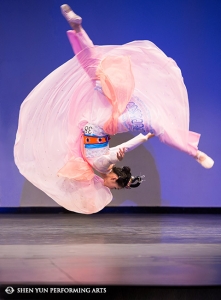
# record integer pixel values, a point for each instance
(53, 114)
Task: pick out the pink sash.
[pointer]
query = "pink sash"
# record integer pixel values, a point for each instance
(118, 84)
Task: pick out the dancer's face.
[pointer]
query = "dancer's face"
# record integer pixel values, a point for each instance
(110, 181)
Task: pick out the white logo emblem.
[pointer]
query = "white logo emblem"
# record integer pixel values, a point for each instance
(9, 290)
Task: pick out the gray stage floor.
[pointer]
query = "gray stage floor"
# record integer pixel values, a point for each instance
(109, 249)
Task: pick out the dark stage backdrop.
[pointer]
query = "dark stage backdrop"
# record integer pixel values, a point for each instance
(34, 43)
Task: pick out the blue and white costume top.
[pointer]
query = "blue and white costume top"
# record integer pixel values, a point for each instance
(99, 154)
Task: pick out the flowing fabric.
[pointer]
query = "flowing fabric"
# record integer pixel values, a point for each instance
(117, 81)
(53, 115)
(77, 169)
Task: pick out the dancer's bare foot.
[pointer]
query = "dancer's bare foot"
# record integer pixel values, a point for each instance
(205, 161)
(73, 19)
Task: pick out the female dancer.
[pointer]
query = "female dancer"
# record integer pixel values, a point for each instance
(65, 123)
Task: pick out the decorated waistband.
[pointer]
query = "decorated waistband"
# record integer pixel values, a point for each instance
(95, 141)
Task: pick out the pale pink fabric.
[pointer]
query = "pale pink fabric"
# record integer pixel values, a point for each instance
(114, 73)
(53, 114)
(49, 133)
(158, 81)
(78, 169)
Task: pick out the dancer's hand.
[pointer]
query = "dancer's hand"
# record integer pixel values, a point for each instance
(120, 154)
(150, 135)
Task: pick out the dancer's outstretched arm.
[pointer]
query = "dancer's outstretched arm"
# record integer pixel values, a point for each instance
(105, 162)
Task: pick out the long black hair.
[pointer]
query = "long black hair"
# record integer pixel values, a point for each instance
(125, 178)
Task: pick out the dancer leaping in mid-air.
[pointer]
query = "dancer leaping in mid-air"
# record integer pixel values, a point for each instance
(65, 123)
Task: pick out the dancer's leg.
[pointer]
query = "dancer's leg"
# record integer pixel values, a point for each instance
(79, 40)
(186, 141)
(78, 37)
